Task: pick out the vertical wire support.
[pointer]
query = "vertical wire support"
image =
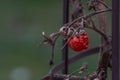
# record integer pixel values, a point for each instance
(115, 40)
(65, 50)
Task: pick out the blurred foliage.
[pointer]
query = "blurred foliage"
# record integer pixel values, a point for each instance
(21, 24)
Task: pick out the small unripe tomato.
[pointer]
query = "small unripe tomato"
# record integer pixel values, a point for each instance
(79, 43)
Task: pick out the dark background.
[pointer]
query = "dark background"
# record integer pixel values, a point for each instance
(21, 25)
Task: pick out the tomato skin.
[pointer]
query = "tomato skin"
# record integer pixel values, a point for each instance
(75, 44)
(79, 43)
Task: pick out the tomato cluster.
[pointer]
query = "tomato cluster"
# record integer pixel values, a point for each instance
(79, 43)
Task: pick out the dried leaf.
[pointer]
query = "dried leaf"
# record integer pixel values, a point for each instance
(47, 39)
(83, 68)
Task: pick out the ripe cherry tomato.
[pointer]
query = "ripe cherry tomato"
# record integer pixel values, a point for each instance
(79, 43)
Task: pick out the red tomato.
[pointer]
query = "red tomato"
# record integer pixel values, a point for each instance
(79, 43)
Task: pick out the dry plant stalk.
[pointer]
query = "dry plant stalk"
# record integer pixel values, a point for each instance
(80, 20)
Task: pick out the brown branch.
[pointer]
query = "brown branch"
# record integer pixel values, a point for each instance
(105, 52)
(101, 17)
(62, 77)
(85, 16)
(93, 27)
(88, 15)
(102, 23)
(103, 3)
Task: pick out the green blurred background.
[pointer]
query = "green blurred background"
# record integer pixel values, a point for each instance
(21, 25)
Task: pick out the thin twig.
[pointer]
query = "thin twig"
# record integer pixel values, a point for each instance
(93, 27)
(56, 35)
(88, 15)
(104, 4)
(70, 38)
